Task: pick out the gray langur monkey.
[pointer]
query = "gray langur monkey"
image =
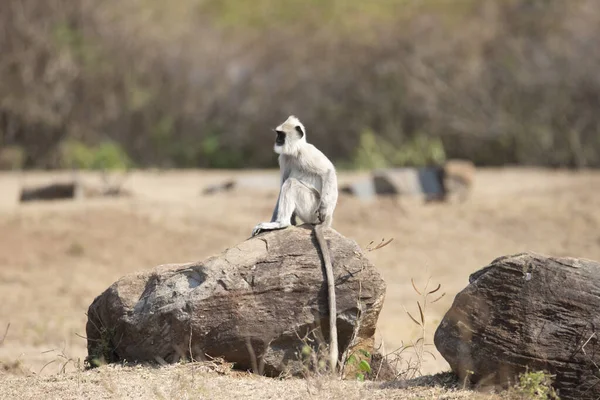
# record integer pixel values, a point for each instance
(309, 187)
(308, 190)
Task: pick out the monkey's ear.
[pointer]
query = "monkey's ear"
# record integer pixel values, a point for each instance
(299, 130)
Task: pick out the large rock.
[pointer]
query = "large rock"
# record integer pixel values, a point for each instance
(269, 291)
(427, 181)
(442, 183)
(53, 191)
(71, 190)
(527, 311)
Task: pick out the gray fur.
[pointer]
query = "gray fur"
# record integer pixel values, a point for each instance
(309, 187)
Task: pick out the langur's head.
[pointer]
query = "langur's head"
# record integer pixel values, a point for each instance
(290, 135)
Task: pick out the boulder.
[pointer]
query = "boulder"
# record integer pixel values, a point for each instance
(53, 191)
(364, 189)
(434, 183)
(255, 304)
(71, 190)
(527, 312)
(427, 181)
(459, 177)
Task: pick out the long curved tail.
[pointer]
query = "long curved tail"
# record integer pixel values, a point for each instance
(333, 337)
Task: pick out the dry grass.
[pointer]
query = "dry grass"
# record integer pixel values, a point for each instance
(56, 257)
(195, 380)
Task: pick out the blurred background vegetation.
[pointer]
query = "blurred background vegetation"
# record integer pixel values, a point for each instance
(199, 83)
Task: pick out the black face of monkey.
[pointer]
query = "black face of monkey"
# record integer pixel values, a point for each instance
(290, 137)
(280, 140)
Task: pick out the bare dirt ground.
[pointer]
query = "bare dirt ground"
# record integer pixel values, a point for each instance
(55, 257)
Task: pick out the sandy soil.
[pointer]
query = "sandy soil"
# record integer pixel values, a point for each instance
(55, 257)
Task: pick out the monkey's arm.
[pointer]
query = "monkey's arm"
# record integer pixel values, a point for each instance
(274, 223)
(285, 174)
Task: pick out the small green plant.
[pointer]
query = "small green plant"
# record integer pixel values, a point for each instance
(370, 152)
(209, 151)
(536, 385)
(105, 156)
(376, 152)
(102, 352)
(216, 155)
(314, 359)
(313, 354)
(361, 361)
(419, 151)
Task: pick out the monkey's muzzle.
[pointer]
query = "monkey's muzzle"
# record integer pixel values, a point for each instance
(280, 140)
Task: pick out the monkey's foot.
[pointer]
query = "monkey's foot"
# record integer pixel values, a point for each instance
(266, 226)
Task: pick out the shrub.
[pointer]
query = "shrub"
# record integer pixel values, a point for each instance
(106, 155)
(536, 385)
(377, 152)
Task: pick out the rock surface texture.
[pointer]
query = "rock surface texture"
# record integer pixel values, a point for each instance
(527, 311)
(251, 305)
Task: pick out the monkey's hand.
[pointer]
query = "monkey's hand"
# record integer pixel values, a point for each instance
(266, 226)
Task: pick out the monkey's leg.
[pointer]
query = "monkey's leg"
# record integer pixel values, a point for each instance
(295, 197)
(307, 205)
